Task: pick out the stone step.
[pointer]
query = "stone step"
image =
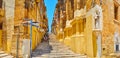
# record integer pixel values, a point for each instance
(5, 55)
(59, 50)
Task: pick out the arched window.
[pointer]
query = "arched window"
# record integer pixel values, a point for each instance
(115, 12)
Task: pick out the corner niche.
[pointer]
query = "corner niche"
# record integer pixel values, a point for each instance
(97, 18)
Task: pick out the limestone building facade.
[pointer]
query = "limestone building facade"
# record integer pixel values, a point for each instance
(14, 24)
(92, 27)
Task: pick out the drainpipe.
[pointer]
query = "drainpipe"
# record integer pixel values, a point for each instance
(30, 38)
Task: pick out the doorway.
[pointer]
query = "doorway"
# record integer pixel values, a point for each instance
(99, 45)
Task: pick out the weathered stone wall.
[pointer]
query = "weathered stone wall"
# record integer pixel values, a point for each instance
(8, 24)
(19, 11)
(109, 27)
(110, 24)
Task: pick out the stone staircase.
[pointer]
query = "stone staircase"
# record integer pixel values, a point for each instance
(5, 55)
(14, 45)
(59, 50)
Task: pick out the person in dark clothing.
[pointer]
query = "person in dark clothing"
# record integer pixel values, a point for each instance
(45, 37)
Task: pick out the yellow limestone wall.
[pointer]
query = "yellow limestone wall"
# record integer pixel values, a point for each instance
(36, 36)
(83, 38)
(89, 37)
(67, 38)
(77, 38)
(8, 25)
(33, 36)
(94, 43)
(73, 36)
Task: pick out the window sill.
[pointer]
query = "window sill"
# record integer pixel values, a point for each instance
(116, 21)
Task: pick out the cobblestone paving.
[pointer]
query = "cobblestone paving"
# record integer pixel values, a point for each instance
(58, 51)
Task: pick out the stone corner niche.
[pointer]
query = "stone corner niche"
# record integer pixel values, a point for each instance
(97, 18)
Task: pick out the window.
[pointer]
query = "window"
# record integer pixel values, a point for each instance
(80, 27)
(84, 23)
(69, 33)
(1, 3)
(44, 17)
(72, 4)
(26, 4)
(78, 4)
(0, 25)
(82, 3)
(74, 30)
(115, 12)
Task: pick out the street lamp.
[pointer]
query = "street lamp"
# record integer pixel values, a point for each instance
(31, 23)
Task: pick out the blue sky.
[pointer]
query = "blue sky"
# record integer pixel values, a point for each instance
(50, 5)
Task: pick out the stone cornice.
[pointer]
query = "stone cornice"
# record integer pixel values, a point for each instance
(117, 3)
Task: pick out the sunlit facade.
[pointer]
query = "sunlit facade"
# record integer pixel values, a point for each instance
(91, 27)
(15, 28)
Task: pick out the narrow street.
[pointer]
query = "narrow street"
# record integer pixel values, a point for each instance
(58, 50)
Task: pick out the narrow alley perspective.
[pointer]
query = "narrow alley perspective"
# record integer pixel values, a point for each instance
(59, 28)
(58, 50)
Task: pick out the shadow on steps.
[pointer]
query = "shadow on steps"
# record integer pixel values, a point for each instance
(43, 48)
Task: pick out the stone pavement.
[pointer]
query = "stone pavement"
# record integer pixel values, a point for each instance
(42, 48)
(59, 50)
(5, 55)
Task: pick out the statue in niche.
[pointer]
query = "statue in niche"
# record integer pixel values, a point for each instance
(97, 20)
